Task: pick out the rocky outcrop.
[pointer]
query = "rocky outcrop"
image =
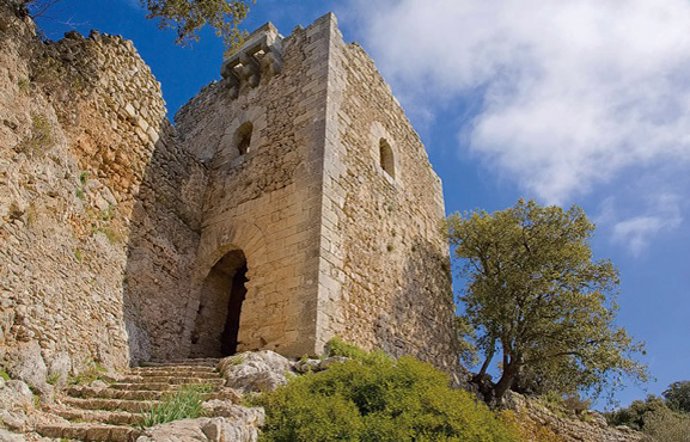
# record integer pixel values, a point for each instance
(16, 402)
(24, 362)
(590, 427)
(255, 371)
(241, 426)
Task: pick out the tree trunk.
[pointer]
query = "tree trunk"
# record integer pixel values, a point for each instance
(506, 382)
(479, 377)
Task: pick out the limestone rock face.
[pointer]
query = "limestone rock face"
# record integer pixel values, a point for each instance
(255, 371)
(6, 436)
(571, 429)
(224, 408)
(183, 430)
(24, 362)
(16, 401)
(59, 366)
(218, 429)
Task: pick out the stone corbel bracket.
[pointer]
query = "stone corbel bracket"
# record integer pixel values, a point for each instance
(260, 55)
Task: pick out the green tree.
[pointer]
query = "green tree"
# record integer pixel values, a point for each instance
(677, 396)
(186, 17)
(653, 417)
(536, 297)
(637, 413)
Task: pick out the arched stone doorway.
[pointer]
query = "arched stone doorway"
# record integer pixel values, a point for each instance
(217, 323)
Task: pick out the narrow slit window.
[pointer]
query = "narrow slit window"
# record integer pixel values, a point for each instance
(386, 157)
(243, 137)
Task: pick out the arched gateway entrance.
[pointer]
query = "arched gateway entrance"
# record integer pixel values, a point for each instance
(217, 324)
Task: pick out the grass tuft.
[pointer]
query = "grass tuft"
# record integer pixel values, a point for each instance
(183, 404)
(53, 378)
(40, 138)
(93, 372)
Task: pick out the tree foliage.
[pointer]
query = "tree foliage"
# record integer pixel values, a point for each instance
(635, 415)
(185, 17)
(536, 297)
(653, 417)
(677, 396)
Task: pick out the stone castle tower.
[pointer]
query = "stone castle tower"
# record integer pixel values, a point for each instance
(291, 202)
(320, 190)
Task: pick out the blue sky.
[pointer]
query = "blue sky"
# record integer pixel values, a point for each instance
(571, 102)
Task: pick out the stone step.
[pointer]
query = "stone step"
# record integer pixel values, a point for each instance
(143, 395)
(101, 416)
(146, 386)
(174, 369)
(89, 432)
(132, 406)
(208, 362)
(178, 380)
(175, 373)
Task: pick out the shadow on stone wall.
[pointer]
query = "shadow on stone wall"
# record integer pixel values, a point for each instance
(416, 324)
(158, 296)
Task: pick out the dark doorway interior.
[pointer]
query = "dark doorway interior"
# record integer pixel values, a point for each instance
(217, 325)
(231, 331)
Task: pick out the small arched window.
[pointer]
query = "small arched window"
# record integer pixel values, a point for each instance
(386, 157)
(243, 137)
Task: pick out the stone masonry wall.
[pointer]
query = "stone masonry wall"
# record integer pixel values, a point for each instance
(266, 202)
(384, 271)
(83, 136)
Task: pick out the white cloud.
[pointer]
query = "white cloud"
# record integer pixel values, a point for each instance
(574, 92)
(636, 232)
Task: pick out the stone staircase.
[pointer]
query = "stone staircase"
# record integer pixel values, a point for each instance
(116, 412)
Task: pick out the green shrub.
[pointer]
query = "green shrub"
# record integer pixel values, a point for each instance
(375, 398)
(183, 404)
(654, 418)
(4, 375)
(635, 415)
(667, 426)
(338, 347)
